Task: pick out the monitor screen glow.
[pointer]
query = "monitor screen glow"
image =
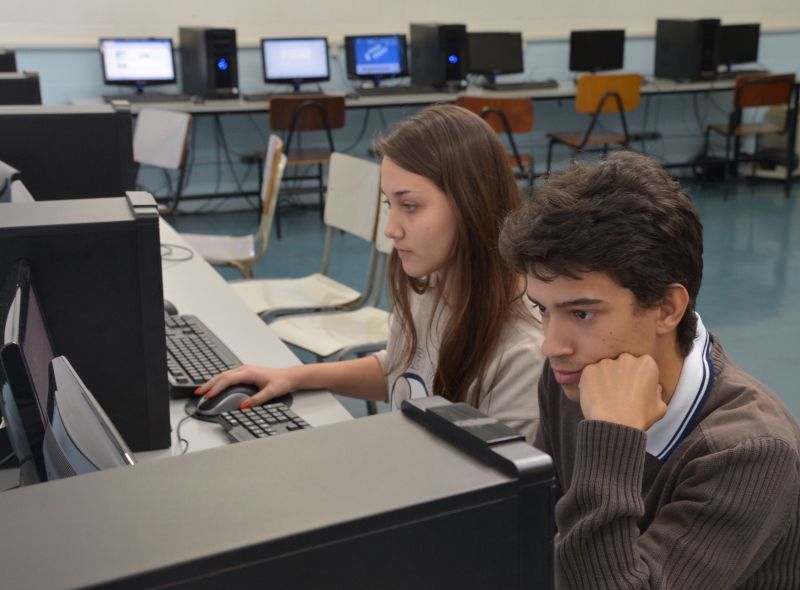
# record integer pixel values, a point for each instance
(131, 61)
(295, 59)
(378, 56)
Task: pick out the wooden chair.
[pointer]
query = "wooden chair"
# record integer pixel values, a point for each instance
(509, 116)
(598, 94)
(295, 114)
(161, 139)
(352, 206)
(244, 252)
(757, 91)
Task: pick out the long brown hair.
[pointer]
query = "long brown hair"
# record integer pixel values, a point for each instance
(460, 154)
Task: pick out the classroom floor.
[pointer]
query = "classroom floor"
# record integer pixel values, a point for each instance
(750, 296)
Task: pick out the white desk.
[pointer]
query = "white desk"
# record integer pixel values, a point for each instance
(197, 289)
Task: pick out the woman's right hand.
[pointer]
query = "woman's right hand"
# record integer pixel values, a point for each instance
(271, 383)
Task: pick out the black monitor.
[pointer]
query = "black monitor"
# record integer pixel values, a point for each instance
(24, 358)
(739, 44)
(8, 60)
(70, 152)
(18, 89)
(137, 62)
(295, 61)
(376, 57)
(492, 54)
(596, 51)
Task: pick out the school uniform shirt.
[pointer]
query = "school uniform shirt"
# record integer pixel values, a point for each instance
(509, 389)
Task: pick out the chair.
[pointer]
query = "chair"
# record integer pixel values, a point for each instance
(352, 206)
(509, 116)
(161, 139)
(597, 94)
(756, 91)
(295, 114)
(244, 252)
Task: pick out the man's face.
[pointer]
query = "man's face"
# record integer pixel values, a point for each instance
(588, 320)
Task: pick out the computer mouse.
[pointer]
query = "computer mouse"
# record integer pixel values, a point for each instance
(227, 400)
(197, 99)
(170, 308)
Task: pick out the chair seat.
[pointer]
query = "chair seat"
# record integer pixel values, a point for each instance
(314, 290)
(309, 156)
(325, 334)
(575, 138)
(222, 248)
(756, 129)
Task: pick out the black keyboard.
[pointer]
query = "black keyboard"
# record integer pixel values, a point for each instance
(148, 98)
(397, 90)
(194, 354)
(732, 74)
(261, 422)
(537, 85)
(264, 96)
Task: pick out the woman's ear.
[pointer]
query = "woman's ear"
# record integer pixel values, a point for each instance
(672, 308)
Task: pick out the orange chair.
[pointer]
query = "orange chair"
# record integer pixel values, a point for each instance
(597, 94)
(757, 91)
(509, 115)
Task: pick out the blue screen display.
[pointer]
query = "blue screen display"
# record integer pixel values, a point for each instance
(378, 56)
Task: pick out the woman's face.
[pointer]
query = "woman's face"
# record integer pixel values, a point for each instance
(421, 222)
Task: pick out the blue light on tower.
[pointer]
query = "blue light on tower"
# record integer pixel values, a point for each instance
(453, 59)
(222, 64)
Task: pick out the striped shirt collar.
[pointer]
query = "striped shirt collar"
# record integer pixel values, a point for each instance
(694, 385)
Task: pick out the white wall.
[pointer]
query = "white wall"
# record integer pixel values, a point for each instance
(79, 23)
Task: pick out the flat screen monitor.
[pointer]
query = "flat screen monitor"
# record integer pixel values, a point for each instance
(739, 44)
(492, 54)
(137, 62)
(596, 51)
(8, 60)
(376, 57)
(24, 358)
(295, 61)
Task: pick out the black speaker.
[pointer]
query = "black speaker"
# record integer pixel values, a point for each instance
(687, 50)
(208, 62)
(439, 54)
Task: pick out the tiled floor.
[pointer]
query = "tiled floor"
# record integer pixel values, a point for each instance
(750, 295)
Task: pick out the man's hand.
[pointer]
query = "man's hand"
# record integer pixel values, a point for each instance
(624, 391)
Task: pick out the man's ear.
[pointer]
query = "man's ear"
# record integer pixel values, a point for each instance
(672, 308)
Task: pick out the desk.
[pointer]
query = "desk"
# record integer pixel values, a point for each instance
(197, 289)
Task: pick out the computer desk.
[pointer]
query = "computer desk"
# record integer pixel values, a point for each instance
(195, 288)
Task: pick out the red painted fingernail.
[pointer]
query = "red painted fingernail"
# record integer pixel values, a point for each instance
(245, 406)
(208, 393)
(196, 391)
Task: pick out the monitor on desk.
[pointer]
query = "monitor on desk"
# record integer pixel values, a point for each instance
(596, 51)
(739, 44)
(137, 62)
(492, 54)
(295, 61)
(8, 60)
(20, 89)
(376, 57)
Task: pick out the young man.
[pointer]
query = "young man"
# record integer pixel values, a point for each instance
(675, 469)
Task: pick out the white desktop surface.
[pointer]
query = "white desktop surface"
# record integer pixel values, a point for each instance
(195, 288)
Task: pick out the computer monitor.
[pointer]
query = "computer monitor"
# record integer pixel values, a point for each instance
(8, 60)
(492, 54)
(24, 358)
(137, 62)
(295, 61)
(376, 57)
(20, 89)
(596, 51)
(739, 44)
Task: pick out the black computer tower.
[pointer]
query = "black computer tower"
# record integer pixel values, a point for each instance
(208, 62)
(687, 50)
(96, 267)
(8, 60)
(20, 88)
(439, 54)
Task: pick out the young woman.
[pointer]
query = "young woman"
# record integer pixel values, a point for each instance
(462, 327)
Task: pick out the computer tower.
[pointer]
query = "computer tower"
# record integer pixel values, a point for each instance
(96, 264)
(439, 54)
(21, 88)
(208, 62)
(8, 60)
(687, 50)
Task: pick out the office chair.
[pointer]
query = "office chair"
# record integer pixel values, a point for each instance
(509, 116)
(351, 206)
(244, 252)
(161, 139)
(295, 114)
(757, 91)
(598, 94)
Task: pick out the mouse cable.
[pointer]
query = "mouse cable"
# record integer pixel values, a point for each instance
(167, 251)
(7, 458)
(180, 438)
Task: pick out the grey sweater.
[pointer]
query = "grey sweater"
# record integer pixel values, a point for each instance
(722, 511)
